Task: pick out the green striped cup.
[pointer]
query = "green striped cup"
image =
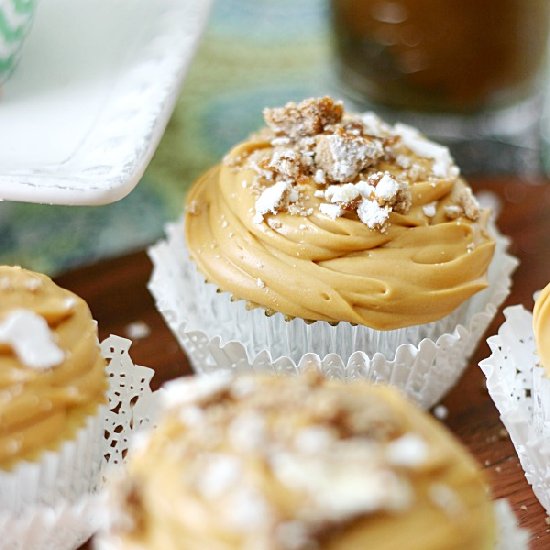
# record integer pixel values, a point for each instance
(15, 20)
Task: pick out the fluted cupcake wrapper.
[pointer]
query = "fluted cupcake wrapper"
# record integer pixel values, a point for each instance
(15, 21)
(55, 502)
(521, 392)
(62, 475)
(217, 332)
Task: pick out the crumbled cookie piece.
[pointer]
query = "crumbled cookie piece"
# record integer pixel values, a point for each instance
(272, 199)
(453, 211)
(345, 195)
(466, 205)
(307, 118)
(333, 211)
(356, 162)
(286, 163)
(372, 214)
(193, 208)
(343, 156)
(469, 204)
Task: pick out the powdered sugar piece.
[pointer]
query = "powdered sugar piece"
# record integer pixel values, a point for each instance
(271, 200)
(319, 193)
(286, 163)
(409, 451)
(453, 211)
(195, 390)
(372, 214)
(386, 189)
(31, 339)
(319, 176)
(443, 166)
(219, 473)
(248, 511)
(247, 432)
(293, 195)
(430, 209)
(374, 125)
(441, 412)
(345, 193)
(342, 157)
(446, 498)
(260, 283)
(293, 535)
(137, 330)
(365, 189)
(314, 439)
(32, 283)
(333, 211)
(343, 488)
(403, 161)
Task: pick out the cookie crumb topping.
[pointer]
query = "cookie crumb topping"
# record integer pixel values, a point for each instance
(336, 455)
(361, 167)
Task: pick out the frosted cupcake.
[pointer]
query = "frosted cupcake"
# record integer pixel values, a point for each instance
(52, 393)
(339, 235)
(518, 372)
(279, 464)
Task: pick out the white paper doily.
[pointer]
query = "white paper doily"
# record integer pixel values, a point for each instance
(521, 392)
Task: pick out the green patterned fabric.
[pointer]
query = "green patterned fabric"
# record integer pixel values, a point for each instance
(15, 20)
(254, 53)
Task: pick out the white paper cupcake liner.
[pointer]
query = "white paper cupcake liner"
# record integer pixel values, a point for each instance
(52, 508)
(521, 392)
(63, 475)
(424, 361)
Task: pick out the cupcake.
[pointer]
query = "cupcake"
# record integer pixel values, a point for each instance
(52, 396)
(15, 20)
(279, 463)
(518, 381)
(337, 235)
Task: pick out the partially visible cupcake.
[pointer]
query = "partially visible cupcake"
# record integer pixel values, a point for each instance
(287, 464)
(15, 20)
(53, 388)
(518, 380)
(541, 327)
(337, 235)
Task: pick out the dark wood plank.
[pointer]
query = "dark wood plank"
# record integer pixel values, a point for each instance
(117, 294)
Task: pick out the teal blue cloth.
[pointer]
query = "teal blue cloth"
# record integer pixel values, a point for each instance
(254, 53)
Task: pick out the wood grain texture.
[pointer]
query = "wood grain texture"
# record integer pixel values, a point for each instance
(117, 294)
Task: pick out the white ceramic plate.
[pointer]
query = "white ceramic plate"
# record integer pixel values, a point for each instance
(98, 79)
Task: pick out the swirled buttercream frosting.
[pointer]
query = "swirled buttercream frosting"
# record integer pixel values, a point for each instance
(52, 375)
(335, 217)
(284, 463)
(541, 327)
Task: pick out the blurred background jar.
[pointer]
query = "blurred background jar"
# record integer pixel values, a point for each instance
(468, 72)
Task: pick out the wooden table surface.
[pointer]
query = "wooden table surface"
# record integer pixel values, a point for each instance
(116, 292)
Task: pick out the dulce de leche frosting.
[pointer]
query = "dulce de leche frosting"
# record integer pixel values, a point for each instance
(52, 373)
(541, 327)
(335, 217)
(296, 463)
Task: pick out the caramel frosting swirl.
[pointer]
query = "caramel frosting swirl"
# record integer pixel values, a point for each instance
(47, 389)
(280, 464)
(541, 327)
(381, 266)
